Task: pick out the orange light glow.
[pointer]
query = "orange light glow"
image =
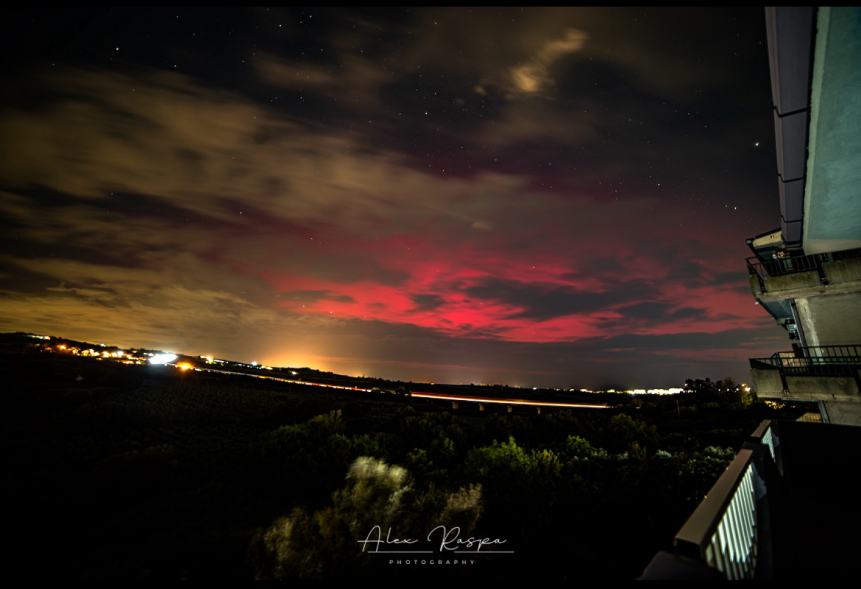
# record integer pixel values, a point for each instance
(504, 401)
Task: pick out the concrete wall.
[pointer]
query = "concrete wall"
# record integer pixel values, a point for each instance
(823, 388)
(773, 284)
(843, 389)
(767, 383)
(842, 271)
(830, 319)
(844, 413)
(832, 208)
(754, 285)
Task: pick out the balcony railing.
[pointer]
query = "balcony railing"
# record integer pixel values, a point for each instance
(724, 533)
(814, 360)
(783, 510)
(766, 434)
(793, 265)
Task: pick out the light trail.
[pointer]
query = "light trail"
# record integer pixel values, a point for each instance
(504, 401)
(418, 394)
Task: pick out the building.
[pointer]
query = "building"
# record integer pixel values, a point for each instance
(807, 272)
(781, 509)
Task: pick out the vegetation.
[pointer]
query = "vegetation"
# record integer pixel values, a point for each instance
(141, 472)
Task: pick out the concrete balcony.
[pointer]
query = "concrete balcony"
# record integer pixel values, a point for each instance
(805, 276)
(816, 297)
(823, 373)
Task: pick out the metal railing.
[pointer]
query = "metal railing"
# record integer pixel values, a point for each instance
(793, 265)
(766, 434)
(814, 360)
(723, 531)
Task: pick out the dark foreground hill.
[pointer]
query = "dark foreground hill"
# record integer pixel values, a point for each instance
(141, 472)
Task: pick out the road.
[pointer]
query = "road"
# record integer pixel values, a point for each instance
(421, 394)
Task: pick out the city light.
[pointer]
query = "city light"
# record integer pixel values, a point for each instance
(671, 391)
(159, 359)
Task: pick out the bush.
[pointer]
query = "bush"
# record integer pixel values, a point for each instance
(326, 542)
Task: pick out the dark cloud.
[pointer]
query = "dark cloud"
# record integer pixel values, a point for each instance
(427, 302)
(662, 312)
(313, 296)
(545, 301)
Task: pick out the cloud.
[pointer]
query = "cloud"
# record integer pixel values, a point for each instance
(305, 222)
(128, 306)
(533, 76)
(354, 81)
(538, 301)
(313, 296)
(427, 302)
(507, 233)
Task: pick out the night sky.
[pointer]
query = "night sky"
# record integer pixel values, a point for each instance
(535, 197)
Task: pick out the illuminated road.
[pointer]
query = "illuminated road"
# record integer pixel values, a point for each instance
(505, 401)
(287, 380)
(419, 394)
